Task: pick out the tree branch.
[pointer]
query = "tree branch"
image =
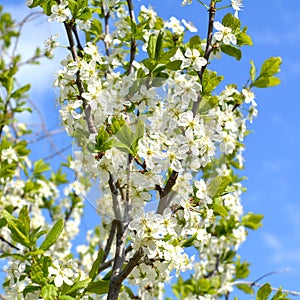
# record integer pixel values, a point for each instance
(164, 192)
(131, 264)
(109, 240)
(106, 27)
(133, 42)
(69, 25)
(208, 50)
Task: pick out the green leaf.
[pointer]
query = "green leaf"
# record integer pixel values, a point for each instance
(264, 292)
(174, 65)
(94, 271)
(152, 45)
(252, 70)
(190, 241)
(40, 167)
(210, 81)
(232, 51)
(245, 288)
(244, 39)
(16, 234)
(241, 269)
(218, 185)
(203, 285)
(220, 210)
(139, 133)
(65, 297)
(99, 287)
(49, 292)
(53, 235)
(24, 220)
(3, 222)
(78, 286)
(263, 82)
(232, 22)
(194, 42)
(19, 93)
(125, 135)
(158, 46)
(252, 221)
(280, 296)
(270, 67)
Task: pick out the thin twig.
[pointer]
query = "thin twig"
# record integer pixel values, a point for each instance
(28, 18)
(208, 50)
(106, 14)
(57, 152)
(133, 42)
(9, 243)
(46, 135)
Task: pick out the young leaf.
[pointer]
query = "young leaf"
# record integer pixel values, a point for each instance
(232, 51)
(270, 67)
(39, 168)
(264, 292)
(230, 21)
(252, 221)
(53, 235)
(220, 210)
(263, 82)
(16, 234)
(94, 271)
(252, 70)
(158, 46)
(245, 288)
(152, 46)
(49, 291)
(24, 220)
(99, 287)
(218, 185)
(77, 286)
(125, 135)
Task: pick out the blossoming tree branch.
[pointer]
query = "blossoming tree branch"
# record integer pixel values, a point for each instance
(153, 123)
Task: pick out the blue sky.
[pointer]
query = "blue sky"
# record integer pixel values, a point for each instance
(272, 153)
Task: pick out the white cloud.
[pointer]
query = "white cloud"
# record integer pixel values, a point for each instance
(272, 241)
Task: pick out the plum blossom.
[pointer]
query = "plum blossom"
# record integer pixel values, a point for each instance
(61, 275)
(249, 97)
(60, 12)
(9, 154)
(196, 60)
(224, 34)
(175, 26)
(189, 26)
(237, 6)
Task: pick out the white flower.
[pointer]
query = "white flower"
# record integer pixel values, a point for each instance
(195, 59)
(29, 2)
(189, 26)
(62, 275)
(186, 2)
(224, 34)
(175, 26)
(60, 12)
(51, 43)
(249, 97)
(236, 5)
(9, 154)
